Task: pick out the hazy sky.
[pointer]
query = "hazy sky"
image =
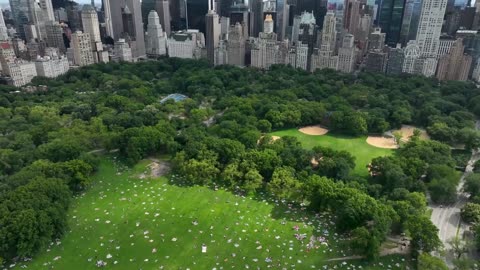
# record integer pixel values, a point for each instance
(2, 2)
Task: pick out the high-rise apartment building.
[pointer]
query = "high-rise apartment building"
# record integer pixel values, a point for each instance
(81, 45)
(455, 65)
(47, 8)
(212, 31)
(376, 39)
(156, 40)
(107, 17)
(51, 67)
(90, 23)
(55, 35)
(346, 54)
(395, 60)
(329, 31)
(236, 45)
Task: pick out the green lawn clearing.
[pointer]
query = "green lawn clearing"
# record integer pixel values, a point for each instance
(133, 223)
(358, 147)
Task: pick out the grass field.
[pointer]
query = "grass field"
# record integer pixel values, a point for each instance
(358, 147)
(133, 223)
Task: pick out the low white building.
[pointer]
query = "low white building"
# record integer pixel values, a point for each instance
(186, 44)
(51, 67)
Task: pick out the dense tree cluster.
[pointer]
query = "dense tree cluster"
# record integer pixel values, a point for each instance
(218, 136)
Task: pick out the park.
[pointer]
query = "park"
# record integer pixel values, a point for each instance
(131, 219)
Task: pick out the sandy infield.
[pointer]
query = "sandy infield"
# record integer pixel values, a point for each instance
(313, 130)
(382, 142)
(407, 133)
(274, 138)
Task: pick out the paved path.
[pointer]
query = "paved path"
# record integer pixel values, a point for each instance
(447, 218)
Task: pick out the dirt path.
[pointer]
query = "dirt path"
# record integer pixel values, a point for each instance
(157, 168)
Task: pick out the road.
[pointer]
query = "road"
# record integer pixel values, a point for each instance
(447, 218)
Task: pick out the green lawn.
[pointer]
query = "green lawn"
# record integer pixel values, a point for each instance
(358, 147)
(127, 218)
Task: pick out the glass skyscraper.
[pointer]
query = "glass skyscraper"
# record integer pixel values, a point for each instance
(390, 19)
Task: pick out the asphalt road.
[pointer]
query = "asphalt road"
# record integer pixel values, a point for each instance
(447, 218)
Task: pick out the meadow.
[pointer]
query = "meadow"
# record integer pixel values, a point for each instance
(133, 223)
(357, 146)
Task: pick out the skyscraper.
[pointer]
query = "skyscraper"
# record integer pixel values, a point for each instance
(137, 38)
(47, 8)
(90, 23)
(411, 17)
(329, 32)
(212, 31)
(3, 28)
(156, 40)
(107, 17)
(163, 11)
(236, 45)
(455, 65)
(20, 13)
(390, 19)
(351, 17)
(346, 54)
(430, 27)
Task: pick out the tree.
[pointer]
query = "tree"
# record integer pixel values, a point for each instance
(472, 184)
(429, 262)
(284, 185)
(470, 213)
(397, 135)
(424, 235)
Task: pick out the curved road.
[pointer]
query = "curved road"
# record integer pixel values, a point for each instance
(447, 219)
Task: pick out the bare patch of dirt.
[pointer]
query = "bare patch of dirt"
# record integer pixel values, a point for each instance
(382, 142)
(314, 130)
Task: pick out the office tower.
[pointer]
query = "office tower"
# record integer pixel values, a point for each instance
(238, 12)
(346, 54)
(224, 7)
(412, 54)
(455, 65)
(163, 11)
(376, 61)
(452, 22)
(107, 15)
(74, 17)
(257, 16)
(212, 31)
(430, 27)
(122, 51)
(55, 36)
(467, 17)
(329, 31)
(90, 23)
(20, 13)
(307, 35)
(196, 10)
(47, 8)
(138, 47)
(411, 17)
(282, 12)
(128, 24)
(317, 7)
(3, 28)
(390, 19)
(156, 40)
(352, 16)
(395, 60)
(82, 49)
(236, 45)
(376, 39)
(147, 6)
(295, 28)
(364, 29)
